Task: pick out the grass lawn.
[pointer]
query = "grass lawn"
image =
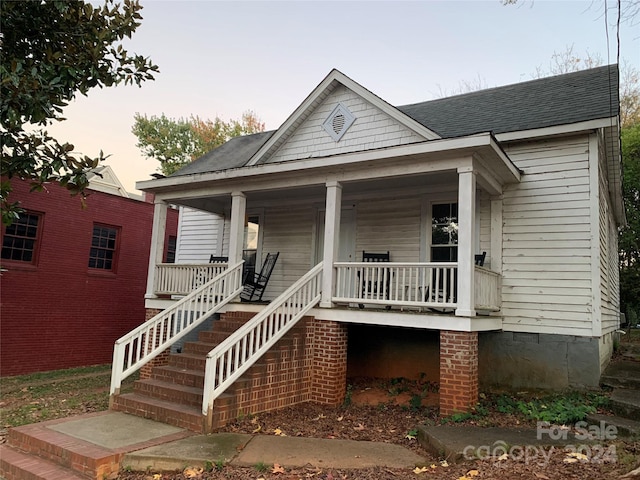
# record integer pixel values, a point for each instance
(61, 393)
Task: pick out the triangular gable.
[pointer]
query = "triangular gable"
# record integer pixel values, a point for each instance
(317, 108)
(103, 179)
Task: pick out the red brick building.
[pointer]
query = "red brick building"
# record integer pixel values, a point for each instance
(73, 279)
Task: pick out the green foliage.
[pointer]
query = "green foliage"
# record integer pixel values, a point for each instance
(629, 239)
(177, 142)
(50, 52)
(560, 409)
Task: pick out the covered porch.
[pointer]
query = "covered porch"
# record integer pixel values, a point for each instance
(330, 210)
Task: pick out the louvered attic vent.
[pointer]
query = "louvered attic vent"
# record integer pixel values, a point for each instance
(338, 122)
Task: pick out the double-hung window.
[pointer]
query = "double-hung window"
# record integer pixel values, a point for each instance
(22, 238)
(104, 248)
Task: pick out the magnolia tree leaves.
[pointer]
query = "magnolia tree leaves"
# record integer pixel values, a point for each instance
(50, 52)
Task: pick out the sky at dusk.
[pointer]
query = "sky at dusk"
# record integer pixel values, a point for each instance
(225, 58)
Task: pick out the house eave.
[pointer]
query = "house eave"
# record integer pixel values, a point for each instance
(565, 129)
(483, 145)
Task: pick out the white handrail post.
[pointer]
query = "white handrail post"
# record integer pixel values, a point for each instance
(331, 240)
(466, 241)
(156, 251)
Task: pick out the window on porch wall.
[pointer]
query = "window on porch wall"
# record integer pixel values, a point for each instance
(444, 232)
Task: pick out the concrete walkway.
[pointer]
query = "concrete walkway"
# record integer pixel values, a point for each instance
(125, 433)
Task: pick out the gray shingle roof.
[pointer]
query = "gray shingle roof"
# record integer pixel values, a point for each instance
(559, 100)
(232, 154)
(545, 102)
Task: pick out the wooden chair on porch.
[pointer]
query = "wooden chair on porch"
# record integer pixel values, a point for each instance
(214, 259)
(375, 287)
(255, 285)
(480, 258)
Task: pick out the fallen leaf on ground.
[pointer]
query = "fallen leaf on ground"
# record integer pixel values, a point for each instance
(504, 456)
(279, 432)
(257, 429)
(444, 463)
(340, 418)
(410, 436)
(541, 475)
(277, 468)
(419, 470)
(359, 427)
(318, 417)
(192, 472)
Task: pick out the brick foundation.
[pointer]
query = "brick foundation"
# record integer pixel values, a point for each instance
(458, 371)
(329, 382)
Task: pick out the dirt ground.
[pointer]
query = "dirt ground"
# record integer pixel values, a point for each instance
(376, 410)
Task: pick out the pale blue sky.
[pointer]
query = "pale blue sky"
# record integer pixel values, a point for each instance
(224, 58)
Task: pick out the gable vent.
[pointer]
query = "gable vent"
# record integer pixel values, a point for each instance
(338, 122)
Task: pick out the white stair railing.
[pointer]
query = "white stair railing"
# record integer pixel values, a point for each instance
(147, 341)
(236, 354)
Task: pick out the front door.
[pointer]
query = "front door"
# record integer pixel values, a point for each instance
(347, 247)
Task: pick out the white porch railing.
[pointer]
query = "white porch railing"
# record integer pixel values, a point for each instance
(487, 289)
(231, 358)
(154, 336)
(183, 278)
(396, 284)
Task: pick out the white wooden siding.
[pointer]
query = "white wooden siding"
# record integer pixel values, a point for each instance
(198, 236)
(288, 230)
(371, 129)
(484, 202)
(609, 267)
(546, 285)
(389, 224)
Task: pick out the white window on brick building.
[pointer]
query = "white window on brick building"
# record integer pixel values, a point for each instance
(104, 248)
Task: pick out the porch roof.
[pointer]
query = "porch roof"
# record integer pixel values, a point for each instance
(481, 152)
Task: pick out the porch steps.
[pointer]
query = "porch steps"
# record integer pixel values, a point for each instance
(173, 394)
(623, 375)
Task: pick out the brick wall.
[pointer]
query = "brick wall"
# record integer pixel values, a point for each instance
(308, 364)
(59, 308)
(458, 371)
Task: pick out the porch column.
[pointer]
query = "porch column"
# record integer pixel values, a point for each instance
(236, 235)
(331, 240)
(466, 243)
(156, 252)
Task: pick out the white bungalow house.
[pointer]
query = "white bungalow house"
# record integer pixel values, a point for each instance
(526, 177)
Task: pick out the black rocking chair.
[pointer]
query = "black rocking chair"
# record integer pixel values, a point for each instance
(375, 286)
(254, 286)
(214, 259)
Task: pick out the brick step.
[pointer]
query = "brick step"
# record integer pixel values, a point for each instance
(188, 361)
(84, 459)
(15, 465)
(179, 376)
(170, 392)
(182, 416)
(199, 348)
